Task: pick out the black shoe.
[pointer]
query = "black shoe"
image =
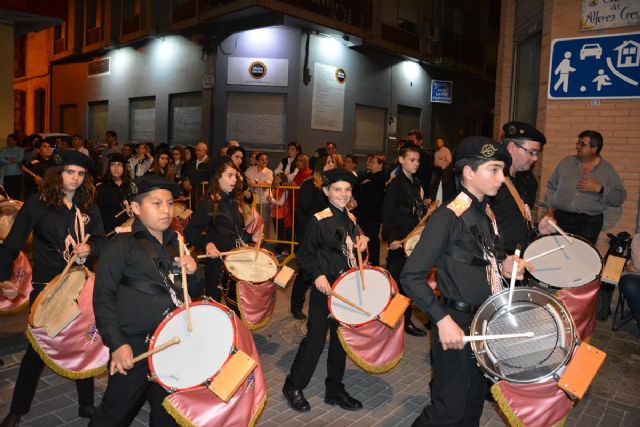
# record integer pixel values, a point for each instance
(412, 329)
(86, 411)
(344, 401)
(296, 399)
(10, 420)
(298, 314)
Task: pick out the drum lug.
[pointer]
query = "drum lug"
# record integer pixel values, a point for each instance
(147, 339)
(234, 350)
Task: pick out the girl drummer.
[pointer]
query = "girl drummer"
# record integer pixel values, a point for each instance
(111, 193)
(60, 214)
(222, 215)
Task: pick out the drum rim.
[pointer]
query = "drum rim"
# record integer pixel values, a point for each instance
(170, 316)
(261, 250)
(574, 236)
(36, 303)
(490, 373)
(342, 277)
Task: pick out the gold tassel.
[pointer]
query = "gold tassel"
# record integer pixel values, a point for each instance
(372, 369)
(511, 417)
(67, 373)
(261, 406)
(185, 422)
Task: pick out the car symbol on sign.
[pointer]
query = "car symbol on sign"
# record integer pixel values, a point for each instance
(592, 49)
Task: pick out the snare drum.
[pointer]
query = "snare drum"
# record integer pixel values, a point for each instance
(523, 360)
(15, 301)
(373, 342)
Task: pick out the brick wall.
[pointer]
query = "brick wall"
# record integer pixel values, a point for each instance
(562, 121)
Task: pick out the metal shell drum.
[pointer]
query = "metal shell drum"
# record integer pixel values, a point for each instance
(523, 360)
(244, 265)
(374, 298)
(577, 264)
(200, 354)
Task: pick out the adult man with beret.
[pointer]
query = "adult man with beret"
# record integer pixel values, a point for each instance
(462, 240)
(513, 203)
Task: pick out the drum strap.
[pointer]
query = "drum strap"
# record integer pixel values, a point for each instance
(524, 209)
(154, 257)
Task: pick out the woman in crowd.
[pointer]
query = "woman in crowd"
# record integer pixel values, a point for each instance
(288, 164)
(176, 165)
(112, 192)
(162, 164)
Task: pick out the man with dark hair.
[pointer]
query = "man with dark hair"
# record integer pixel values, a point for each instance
(331, 148)
(462, 240)
(10, 158)
(34, 169)
(112, 147)
(369, 194)
(401, 212)
(77, 142)
(425, 171)
(582, 187)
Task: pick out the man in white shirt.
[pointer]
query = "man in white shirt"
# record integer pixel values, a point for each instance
(258, 177)
(441, 166)
(77, 142)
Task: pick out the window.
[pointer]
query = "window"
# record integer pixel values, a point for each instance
(92, 17)
(142, 119)
(369, 129)
(185, 118)
(60, 38)
(19, 106)
(256, 119)
(131, 16)
(19, 56)
(98, 119)
(39, 106)
(526, 79)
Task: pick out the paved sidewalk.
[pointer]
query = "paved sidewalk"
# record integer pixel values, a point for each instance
(391, 399)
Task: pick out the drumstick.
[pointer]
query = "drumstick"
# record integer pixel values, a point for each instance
(559, 230)
(255, 258)
(73, 258)
(235, 251)
(120, 213)
(540, 255)
(349, 303)
(514, 273)
(469, 338)
(360, 264)
(164, 345)
(27, 170)
(432, 208)
(185, 292)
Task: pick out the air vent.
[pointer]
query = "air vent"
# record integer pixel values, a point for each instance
(99, 67)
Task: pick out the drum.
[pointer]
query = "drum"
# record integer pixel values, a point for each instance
(577, 264)
(412, 240)
(256, 274)
(62, 326)
(8, 211)
(574, 272)
(14, 299)
(523, 360)
(374, 341)
(201, 354)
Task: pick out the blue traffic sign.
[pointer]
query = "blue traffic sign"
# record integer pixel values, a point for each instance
(442, 91)
(595, 67)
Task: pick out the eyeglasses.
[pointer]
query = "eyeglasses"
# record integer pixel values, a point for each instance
(582, 144)
(532, 153)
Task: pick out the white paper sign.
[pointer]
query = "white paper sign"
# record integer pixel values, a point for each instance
(598, 14)
(258, 71)
(327, 104)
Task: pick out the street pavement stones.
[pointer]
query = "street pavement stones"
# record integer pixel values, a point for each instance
(391, 399)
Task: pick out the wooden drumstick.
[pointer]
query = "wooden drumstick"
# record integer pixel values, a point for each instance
(255, 258)
(74, 257)
(163, 346)
(30, 172)
(514, 273)
(432, 208)
(185, 292)
(469, 338)
(349, 303)
(235, 251)
(545, 253)
(360, 264)
(559, 230)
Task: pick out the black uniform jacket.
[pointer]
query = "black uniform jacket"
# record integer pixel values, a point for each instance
(513, 227)
(323, 249)
(310, 200)
(223, 229)
(50, 226)
(122, 312)
(448, 243)
(110, 198)
(370, 197)
(402, 207)
(38, 166)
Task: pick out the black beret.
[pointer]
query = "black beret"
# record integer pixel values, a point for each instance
(335, 175)
(521, 130)
(117, 158)
(145, 183)
(72, 157)
(483, 148)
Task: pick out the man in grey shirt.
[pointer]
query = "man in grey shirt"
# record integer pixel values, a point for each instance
(582, 187)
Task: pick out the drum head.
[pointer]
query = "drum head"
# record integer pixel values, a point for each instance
(523, 360)
(575, 265)
(373, 299)
(200, 353)
(243, 265)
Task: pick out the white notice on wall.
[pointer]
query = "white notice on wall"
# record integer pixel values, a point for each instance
(327, 104)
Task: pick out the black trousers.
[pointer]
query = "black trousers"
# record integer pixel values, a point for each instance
(300, 286)
(371, 229)
(395, 262)
(311, 348)
(458, 387)
(586, 226)
(29, 374)
(125, 395)
(13, 186)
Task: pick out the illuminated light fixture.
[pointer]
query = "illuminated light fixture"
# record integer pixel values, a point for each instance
(122, 59)
(261, 37)
(411, 70)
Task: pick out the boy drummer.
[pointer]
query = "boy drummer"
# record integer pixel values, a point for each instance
(134, 289)
(327, 250)
(462, 239)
